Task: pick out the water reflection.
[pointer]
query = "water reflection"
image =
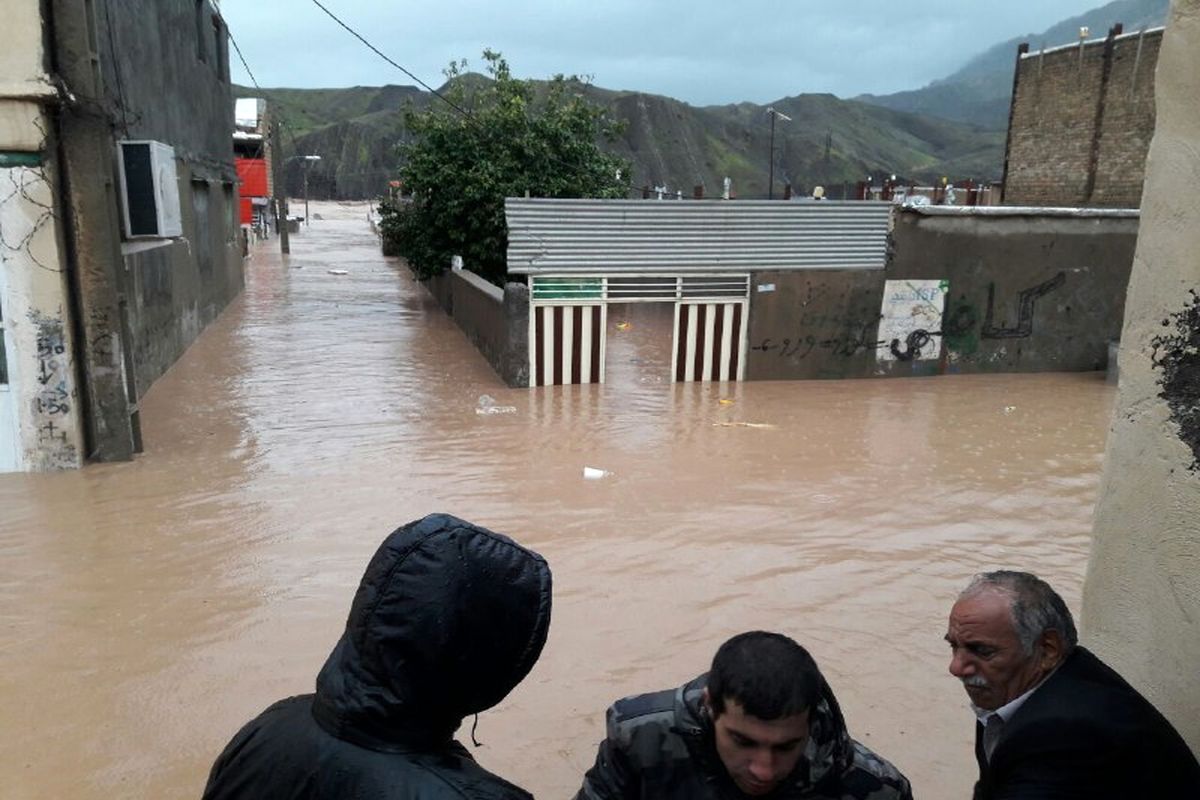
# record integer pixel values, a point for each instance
(150, 608)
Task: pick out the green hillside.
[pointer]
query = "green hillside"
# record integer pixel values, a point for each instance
(829, 141)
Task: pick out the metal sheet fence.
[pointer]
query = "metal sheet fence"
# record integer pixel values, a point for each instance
(615, 236)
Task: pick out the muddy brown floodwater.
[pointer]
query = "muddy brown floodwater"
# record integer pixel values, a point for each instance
(151, 608)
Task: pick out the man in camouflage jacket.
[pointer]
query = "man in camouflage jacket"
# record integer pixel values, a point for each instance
(762, 723)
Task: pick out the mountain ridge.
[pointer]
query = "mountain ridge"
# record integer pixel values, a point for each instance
(830, 141)
(979, 91)
(954, 127)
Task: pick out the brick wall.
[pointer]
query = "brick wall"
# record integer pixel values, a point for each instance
(1082, 123)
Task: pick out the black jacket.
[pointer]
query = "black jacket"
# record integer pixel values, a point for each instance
(1086, 733)
(449, 617)
(660, 746)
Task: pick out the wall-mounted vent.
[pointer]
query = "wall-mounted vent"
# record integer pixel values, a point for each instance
(149, 189)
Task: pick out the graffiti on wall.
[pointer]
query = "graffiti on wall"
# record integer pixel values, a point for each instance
(1025, 302)
(849, 337)
(910, 320)
(54, 396)
(47, 416)
(917, 316)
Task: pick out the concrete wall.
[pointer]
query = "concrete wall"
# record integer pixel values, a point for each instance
(813, 324)
(22, 57)
(495, 320)
(40, 401)
(41, 424)
(1081, 124)
(176, 287)
(170, 93)
(442, 289)
(140, 69)
(1024, 292)
(1141, 605)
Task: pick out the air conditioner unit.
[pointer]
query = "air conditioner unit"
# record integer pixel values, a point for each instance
(149, 189)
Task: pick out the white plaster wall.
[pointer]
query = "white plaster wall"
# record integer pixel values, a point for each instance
(36, 312)
(22, 72)
(1141, 609)
(21, 126)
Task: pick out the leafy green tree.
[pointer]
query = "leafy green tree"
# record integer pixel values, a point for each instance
(511, 137)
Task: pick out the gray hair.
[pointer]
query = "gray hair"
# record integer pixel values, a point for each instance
(1035, 607)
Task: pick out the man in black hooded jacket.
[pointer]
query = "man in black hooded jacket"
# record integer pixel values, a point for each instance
(449, 617)
(761, 723)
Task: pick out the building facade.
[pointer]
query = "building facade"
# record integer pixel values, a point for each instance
(119, 235)
(1081, 120)
(779, 290)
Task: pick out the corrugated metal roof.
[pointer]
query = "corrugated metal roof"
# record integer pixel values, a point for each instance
(611, 236)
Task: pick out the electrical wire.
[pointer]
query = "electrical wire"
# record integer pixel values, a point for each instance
(108, 25)
(380, 53)
(466, 114)
(241, 57)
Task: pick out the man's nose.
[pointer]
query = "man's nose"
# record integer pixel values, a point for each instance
(762, 766)
(960, 664)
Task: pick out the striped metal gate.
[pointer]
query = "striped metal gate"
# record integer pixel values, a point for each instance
(568, 323)
(709, 340)
(566, 344)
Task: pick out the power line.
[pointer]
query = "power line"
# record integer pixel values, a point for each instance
(242, 57)
(380, 53)
(279, 100)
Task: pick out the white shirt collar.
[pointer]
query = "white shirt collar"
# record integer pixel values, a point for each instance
(1010, 708)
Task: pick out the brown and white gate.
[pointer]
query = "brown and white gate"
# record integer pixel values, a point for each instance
(566, 344)
(569, 316)
(709, 341)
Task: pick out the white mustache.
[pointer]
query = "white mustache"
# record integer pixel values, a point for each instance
(975, 682)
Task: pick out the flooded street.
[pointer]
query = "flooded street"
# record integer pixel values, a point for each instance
(149, 609)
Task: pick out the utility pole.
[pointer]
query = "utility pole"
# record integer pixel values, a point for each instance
(771, 172)
(281, 209)
(825, 166)
(307, 160)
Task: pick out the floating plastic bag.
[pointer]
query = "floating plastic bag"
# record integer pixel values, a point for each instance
(487, 405)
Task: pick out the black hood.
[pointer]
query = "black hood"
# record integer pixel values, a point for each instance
(449, 617)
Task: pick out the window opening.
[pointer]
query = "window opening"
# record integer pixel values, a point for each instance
(201, 49)
(219, 49)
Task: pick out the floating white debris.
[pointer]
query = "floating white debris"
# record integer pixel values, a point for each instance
(595, 474)
(339, 272)
(742, 425)
(487, 405)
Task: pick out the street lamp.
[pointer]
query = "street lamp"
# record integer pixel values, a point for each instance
(771, 173)
(307, 160)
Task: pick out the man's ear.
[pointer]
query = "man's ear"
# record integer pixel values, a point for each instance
(707, 705)
(1053, 650)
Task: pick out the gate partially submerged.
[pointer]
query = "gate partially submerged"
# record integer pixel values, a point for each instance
(583, 255)
(569, 320)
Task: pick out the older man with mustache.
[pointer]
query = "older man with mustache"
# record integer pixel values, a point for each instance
(1054, 721)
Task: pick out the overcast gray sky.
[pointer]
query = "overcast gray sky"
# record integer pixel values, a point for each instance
(701, 51)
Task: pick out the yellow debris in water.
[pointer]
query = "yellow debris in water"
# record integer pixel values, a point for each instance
(725, 401)
(623, 326)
